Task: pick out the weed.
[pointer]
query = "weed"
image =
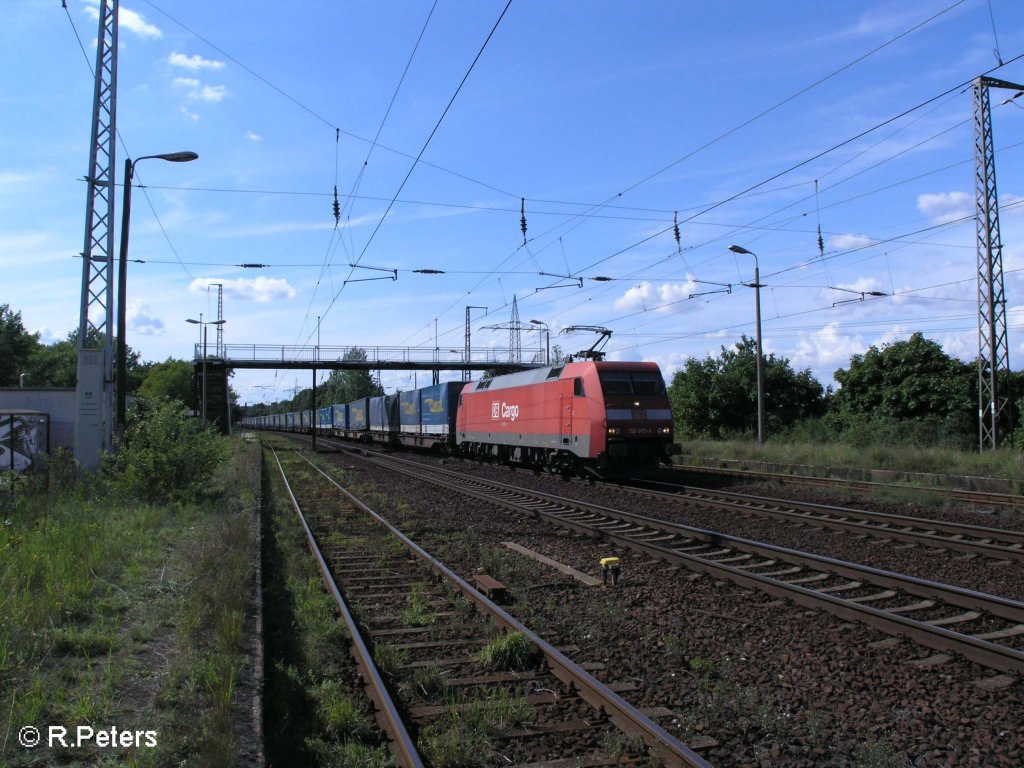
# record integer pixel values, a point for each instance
(389, 660)
(418, 613)
(510, 652)
(340, 716)
(348, 753)
(674, 648)
(704, 668)
(621, 747)
(429, 682)
(465, 735)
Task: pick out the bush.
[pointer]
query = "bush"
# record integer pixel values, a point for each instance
(166, 454)
(953, 431)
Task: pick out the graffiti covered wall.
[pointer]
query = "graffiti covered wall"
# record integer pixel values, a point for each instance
(24, 441)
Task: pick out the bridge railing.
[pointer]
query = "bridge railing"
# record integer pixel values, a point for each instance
(306, 353)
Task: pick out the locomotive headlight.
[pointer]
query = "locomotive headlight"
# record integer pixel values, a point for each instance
(614, 430)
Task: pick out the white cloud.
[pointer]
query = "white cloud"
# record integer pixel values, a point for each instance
(141, 321)
(848, 242)
(853, 291)
(37, 248)
(194, 63)
(188, 113)
(10, 179)
(1011, 205)
(126, 19)
(134, 22)
(647, 296)
(262, 290)
(944, 207)
(253, 136)
(199, 92)
(259, 230)
(826, 348)
(210, 93)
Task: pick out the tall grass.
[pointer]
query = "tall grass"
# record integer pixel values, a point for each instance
(817, 456)
(109, 599)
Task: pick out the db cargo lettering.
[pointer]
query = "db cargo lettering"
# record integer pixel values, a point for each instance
(504, 411)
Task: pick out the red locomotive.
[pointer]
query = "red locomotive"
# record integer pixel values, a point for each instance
(598, 416)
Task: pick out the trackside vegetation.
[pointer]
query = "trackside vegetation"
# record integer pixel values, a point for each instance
(169, 456)
(315, 710)
(127, 602)
(894, 404)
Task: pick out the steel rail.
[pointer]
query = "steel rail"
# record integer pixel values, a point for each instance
(620, 712)
(555, 509)
(1008, 500)
(873, 523)
(400, 742)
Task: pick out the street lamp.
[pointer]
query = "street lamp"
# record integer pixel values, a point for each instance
(760, 363)
(203, 325)
(547, 340)
(122, 284)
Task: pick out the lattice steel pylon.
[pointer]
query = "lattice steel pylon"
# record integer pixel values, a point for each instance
(94, 388)
(515, 339)
(467, 355)
(220, 319)
(993, 341)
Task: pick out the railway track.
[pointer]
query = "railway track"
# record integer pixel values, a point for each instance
(986, 629)
(573, 714)
(1007, 501)
(986, 541)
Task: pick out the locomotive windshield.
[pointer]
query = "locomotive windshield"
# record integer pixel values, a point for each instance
(632, 383)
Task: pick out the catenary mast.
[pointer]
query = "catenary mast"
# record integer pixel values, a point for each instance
(94, 388)
(993, 341)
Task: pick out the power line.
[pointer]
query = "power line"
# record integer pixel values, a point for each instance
(424, 147)
(362, 170)
(309, 110)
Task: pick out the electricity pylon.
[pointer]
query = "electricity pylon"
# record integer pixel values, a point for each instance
(993, 342)
(94, 387)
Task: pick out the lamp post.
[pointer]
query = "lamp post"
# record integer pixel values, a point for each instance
(122, 284)
(547, 340)
(203, 325)
(760, 362)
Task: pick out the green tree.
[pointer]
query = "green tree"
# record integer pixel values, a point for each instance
(909, 392)
(717, 397)
(16, 347)
(348, 385)
(55, 365)
(171, 379)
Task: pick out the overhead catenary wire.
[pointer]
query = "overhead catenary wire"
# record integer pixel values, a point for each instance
(309, 110)
(750, 189)
(351, 197)
(846, 142)
(120, 139)
(424, 147)
(583, 216)
(530, 252)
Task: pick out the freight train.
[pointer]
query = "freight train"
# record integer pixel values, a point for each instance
(600, 417)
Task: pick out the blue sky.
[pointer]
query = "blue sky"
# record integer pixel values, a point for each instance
(752, 120)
